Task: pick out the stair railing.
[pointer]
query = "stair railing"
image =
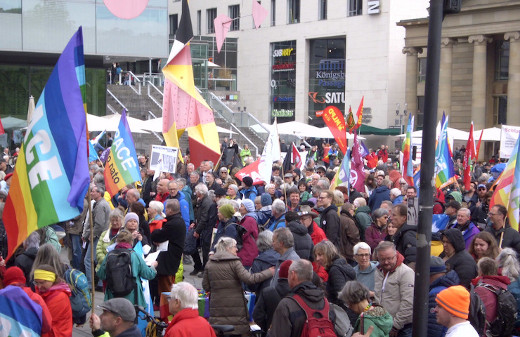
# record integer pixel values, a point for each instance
(149, 88)
(155, 133)
(117, 100)
(240, 133)
(137, 83)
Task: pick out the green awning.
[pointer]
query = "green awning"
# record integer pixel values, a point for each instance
(371, 130)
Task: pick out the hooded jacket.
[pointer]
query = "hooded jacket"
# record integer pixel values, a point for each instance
(363, 219)
(263, 261)
(379, 195)
(468, 232)
(511, 237)
(185, 208)
(374, 235)
(329, 222)
(249, 249)
(462, 262)
(449, 279)
(289, 318)
(367, 276)
(394, 291)
(489, 299)
(340, 272)
(58, 303)
(303, 244)
(222, 278)
(188, 323)
(379, 318)
(405, 240)
(173, 231)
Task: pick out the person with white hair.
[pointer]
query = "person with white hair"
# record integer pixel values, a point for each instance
(278, 216)
(183, 305)
(365, 269)
(395, 196)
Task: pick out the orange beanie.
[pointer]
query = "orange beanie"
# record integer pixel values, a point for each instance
(455, 300)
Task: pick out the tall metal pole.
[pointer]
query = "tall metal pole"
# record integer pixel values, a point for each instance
(424, 232)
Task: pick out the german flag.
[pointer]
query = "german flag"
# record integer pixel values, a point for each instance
(183, 106)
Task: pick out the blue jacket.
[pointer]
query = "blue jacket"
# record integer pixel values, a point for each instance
(263, 261)
(450, 279)
(249, 193)
(224, 230)
(276, 223)
(188, 193)
(379, 195)
(398, 200)
(185, 208)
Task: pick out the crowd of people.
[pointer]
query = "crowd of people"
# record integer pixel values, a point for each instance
(301, 246)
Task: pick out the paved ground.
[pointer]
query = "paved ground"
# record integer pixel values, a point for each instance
(85, 330)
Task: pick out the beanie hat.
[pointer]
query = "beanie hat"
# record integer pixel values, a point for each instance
(249, 205)
(14, 275)
(437, 265)
(131, 216)
(283, 272)
(220, 192)
(455, 300)
(248, 181)
(227, 211)
(266, 199)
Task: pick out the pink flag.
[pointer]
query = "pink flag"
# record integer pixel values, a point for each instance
(222, 24)
(259, 13)
(357, 174)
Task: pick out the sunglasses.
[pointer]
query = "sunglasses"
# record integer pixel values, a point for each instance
(482, 189)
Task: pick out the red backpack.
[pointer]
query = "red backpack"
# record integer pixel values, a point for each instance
(317, 323)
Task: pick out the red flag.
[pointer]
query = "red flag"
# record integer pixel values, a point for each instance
(359, 113)
(357, 174)
(468, 159)
(259, 13)
(334, 119)
(297, 159)
(252, 171)
(478, 145)
(2, 131)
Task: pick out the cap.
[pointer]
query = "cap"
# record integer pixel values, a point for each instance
(455, 300)
(437, 265)
(288, 175)
(266, 199)
(131, 216)
(321, 168)
(223, 169)
(220, 192)
(380, 173)
(14, 275)
(248, 204)
(227, 211)
(248, 181)
(120, 307)
(482, 185)
(283, 272)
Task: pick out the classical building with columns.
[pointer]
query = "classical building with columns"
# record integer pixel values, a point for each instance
(480, 64)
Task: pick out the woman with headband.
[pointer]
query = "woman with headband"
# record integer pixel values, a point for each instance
(55, 292)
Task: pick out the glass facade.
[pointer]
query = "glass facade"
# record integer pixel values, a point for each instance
(46, 26)
(326, 77)
(283, 81)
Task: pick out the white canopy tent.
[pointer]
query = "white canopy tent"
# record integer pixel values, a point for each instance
(454, 134)
(299, 129)
(111, 123)
(490, 134)
(13, 123)
(156, 125)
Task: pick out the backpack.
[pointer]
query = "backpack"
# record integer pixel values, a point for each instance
(504, 324)
(317, 322)
(120, 279)
(477, 312)
(240, 232)
(342, 323)
(80, 299)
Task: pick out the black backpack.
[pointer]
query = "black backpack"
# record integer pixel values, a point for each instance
(477, 312)
(120, 279)
(240, 233)
(504, 324)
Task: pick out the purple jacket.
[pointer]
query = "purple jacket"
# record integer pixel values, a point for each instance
(469, 233)
(374, 235)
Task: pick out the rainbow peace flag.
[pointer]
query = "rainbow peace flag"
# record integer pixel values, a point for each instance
(121, 167)
(343, 174)
(19, 314)
(51, 176)
(507, 190)
(444, 172)
(407, 153)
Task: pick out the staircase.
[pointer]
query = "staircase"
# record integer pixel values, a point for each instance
(141, 101)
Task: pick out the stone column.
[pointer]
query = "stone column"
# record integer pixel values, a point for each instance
(445, 77)
(411, 78)
(478, 99)
(513, 82)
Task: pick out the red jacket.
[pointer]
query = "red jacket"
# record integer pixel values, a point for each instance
(249, 249)
(318, 235)
(162, 197)
(58, 302)
(489, 299)
(46, 315)
(371, 160)
(188, 323)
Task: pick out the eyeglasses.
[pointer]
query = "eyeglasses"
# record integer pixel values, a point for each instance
(363, 255)
(482, 189)
(321, 198)
(39, 283)
(387, 259)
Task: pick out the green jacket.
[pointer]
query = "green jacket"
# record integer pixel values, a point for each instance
(102, 245)
(139, 270)
(379, 318)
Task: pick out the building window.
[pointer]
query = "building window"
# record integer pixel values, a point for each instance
(294, 11)
(322, 10)
(199, 23)
(211, 14)
(355, 7)
(502, 61)
(234, 14)
(174, 24)
(500, 110)
(421, 64)
(273, 12)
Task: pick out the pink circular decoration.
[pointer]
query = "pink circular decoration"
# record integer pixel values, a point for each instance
(126, 9)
